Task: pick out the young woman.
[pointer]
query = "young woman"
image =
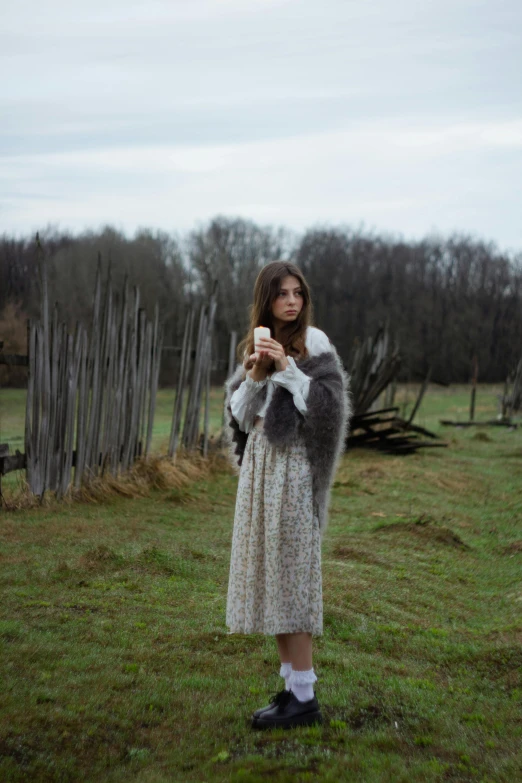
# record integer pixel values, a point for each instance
(288, 409)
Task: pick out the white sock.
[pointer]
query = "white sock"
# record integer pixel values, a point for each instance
(286, 672)
(302, 684)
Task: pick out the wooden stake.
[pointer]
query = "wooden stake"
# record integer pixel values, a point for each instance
(183, 373)
(473, 389)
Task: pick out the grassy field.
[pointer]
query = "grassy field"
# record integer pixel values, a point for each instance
(117, 665)
(451, 402)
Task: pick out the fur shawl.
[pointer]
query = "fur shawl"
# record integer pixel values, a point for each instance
(324, 427)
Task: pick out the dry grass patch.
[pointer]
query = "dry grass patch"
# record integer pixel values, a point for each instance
(99, 557)
(370, 473)
(156, 472)
(344, 552)
(483, 437)
(453, 481)
(426, 528)
(513, 549)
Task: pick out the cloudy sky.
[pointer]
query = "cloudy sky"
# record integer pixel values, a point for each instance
(402, 116)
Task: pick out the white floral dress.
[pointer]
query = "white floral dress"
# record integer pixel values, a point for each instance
(275, 583)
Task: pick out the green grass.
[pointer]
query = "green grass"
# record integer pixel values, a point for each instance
(12, 421)
(451, 403)
(117, 665)
(12, 416)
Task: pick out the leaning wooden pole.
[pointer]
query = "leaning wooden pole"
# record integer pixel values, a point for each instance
(93, 369)
(121, 383)
(82, 359)
(104, 376)
(192, 399)
(232, 354)
(132, 396)
(204, 353)
(29, 434)
(45, 377)
(473, 389)
(420, 396)
(182, 379)
(207, 395)
(157, 344)
(54, 357)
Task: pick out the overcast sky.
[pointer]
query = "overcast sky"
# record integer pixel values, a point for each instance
(400, 115)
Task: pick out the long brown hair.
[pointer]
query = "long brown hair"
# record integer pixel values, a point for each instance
(267, 286)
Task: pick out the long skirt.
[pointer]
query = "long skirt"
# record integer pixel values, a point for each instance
(275, 583)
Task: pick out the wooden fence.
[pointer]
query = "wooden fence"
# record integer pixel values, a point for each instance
(198, 384)
(91, 397)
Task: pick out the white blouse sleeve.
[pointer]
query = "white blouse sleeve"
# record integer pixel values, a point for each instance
(296, 382)
(244, 404)
(295, 379)
(317, 342)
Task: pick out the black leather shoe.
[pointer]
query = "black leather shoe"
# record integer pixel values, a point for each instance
(289, 713)
(277, 699)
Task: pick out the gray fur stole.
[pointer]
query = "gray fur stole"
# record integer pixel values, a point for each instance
(324, 427)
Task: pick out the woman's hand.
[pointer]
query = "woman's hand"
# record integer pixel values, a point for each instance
(275, 351)
(248, 362)
(259, 363)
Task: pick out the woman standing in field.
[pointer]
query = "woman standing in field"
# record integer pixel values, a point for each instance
(288, 409)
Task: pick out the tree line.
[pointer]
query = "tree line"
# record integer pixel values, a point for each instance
(447, 299)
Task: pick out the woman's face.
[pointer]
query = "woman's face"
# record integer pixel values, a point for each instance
(289, 301)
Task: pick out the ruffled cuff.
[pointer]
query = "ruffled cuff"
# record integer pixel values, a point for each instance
(246, 401)
(296, 382)
(303, 677)
(254, 385)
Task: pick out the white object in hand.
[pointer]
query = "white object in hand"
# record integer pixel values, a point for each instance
(260, 331)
